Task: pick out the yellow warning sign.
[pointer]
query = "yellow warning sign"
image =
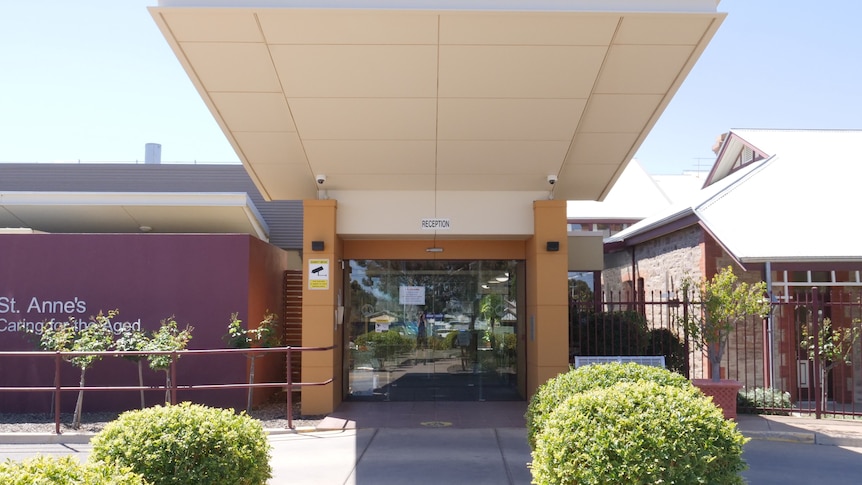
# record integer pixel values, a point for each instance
(318, 274)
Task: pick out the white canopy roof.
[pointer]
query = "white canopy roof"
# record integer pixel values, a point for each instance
(437, 95)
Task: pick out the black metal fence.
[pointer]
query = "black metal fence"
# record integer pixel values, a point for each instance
(782, 367)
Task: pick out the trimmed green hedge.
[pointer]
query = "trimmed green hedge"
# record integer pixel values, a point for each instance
(65, 470)
(638, 433)
(610, 333)
(187, 444)
(386, 345)
(664, 342)
(558, 389)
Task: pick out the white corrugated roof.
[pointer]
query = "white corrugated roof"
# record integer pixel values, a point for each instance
(799, 205)
(683, 207)
(795, 206)
(637, 194)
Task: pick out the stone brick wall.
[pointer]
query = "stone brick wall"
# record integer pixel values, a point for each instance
(662, 263)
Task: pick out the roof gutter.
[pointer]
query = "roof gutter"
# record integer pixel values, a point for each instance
(672, 223)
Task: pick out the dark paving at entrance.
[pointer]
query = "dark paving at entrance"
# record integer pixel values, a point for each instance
(427, 414)
(485, 386)
(436, 379)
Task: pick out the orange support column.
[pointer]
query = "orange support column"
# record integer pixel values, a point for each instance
(321, 295)
(547, 332)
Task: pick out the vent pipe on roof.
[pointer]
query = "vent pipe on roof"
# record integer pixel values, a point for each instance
(153, 153)
(719, 141)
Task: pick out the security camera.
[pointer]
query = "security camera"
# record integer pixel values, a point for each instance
(552, 179)
(321, 179)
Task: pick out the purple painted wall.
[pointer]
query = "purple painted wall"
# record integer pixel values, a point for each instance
(199, 279)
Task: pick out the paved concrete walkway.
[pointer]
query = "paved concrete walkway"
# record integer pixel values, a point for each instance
(419, 443)
(403, 456)
(835, 432)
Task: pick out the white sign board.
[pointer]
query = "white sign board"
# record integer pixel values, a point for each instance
(435, 224)
(318, 274)
(411, 295)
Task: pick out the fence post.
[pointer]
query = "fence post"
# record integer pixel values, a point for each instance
(173, 388)
(57, 392)
(685, 344)
(289, 390)
(815, 324)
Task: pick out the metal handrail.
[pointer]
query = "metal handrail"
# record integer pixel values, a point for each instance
(58, 357)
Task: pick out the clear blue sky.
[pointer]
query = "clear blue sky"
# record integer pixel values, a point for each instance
(94, 80)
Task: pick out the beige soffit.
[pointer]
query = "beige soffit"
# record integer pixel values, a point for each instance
(423, 95)
(124, 212)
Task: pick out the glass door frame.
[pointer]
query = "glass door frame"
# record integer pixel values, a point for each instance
(487, 338)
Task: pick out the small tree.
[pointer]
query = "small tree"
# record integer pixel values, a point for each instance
(724, 303)
(265, 335)
(833, 346)
(94, 336)
(168, 338)
(134, 340)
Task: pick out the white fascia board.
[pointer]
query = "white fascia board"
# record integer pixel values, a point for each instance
(681, 6)
(649, 224)
(803, 259)
(19, 230)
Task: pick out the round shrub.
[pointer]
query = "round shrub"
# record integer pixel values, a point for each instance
(764, 400)
(65, 470)
(638, 433)
(187, 444)
(552, 393)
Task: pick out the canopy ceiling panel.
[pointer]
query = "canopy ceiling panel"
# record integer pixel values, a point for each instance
(508, 119)
(518, 71)
(342, 27)
(600, 148)
(272, 147)
(588, 177)
(109, 212)
(388, 98)
(357, 71)
(365, 118)
(380, 157)
(75, 218)
(638, 69)
(255, 112)
(233, 67)
(585, 29)
(454, 156)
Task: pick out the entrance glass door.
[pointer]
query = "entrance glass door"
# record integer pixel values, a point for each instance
(433, 330)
